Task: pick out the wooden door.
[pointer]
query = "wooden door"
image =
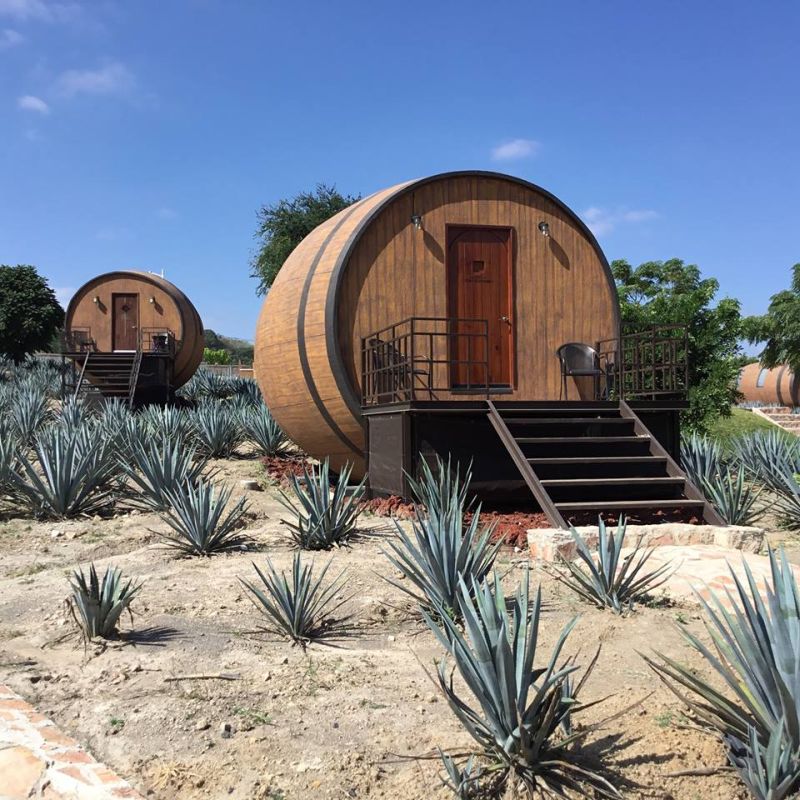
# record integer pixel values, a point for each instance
(125, 321)
(480, 283)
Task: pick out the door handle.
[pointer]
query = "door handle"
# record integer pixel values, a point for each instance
(505, 319)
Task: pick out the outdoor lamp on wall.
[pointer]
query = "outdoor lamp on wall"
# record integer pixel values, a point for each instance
(416, 221)
(151, 300)
(544, 228)
(95, 299)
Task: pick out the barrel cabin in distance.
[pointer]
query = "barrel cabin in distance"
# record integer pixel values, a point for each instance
(132, 335)
(777, 386)
(473, 314)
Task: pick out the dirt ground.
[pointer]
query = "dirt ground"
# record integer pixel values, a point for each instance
(333, 722)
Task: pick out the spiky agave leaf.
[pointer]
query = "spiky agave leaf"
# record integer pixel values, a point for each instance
(98, 604)
(734, 498)
(464, 782)
(518, 719)
(302, 608)
(73, 414)
(263, 431)
(217, 432)
(29, 412)
(756, 652)
(609, 580)
(444, 549)
(702, 458)
(325, 518)
(71, 473)
(167, 424)
(198, 522)
(159, 466)
(768, 455)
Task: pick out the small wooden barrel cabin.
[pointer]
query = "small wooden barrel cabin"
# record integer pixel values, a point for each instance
(473, 314)
(778, 386)
(133, 335)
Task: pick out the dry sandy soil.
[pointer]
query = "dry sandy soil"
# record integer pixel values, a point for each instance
(333, 722)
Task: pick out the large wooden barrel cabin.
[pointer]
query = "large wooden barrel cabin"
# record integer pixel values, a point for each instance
(778, 386)
(474, 314)
(132, 335)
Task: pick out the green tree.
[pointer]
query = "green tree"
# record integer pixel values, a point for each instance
(672, 292)
(283, 225)
(220, 356)
(779, 328)
(30, 315)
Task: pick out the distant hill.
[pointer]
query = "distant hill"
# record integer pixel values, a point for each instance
(239, 350)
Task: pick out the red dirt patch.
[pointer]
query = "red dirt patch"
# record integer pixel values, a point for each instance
(392, 506)
(280, 468)
(513, 526)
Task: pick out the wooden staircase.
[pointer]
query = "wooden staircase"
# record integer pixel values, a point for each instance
(110, 374)
(583, 459)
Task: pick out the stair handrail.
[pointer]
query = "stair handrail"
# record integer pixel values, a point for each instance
(135, 366)
(79, 382)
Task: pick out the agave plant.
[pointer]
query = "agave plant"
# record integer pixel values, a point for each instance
(198, 522)
(29, 413)
(702, 459)
(464, 782)
(301, 609)
(756, 654)
(768, 455)
(260, 427)
(96, 605)
(71, 473)
(444, 549)
(325, 518)
(515, 710)
(217, 432)
(157, 467)
(611, 580)
(735, 498)
(9, 460)
(247, 390)
(166, 424)
(787, 497)
(73, 414)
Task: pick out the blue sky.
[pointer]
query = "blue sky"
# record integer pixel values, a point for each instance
(145, 134)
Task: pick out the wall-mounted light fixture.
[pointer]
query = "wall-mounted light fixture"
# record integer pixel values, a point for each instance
(544, 228)
(95, 299)
(416, 221)
(151, 300)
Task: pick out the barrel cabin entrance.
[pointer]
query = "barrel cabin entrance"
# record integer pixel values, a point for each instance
(473, 314)
(131, 335)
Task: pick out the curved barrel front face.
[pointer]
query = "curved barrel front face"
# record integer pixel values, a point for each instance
(429, 249)
(117, 310)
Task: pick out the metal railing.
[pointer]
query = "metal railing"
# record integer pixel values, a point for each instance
(157, 341)
(646, 364)
(423, 357)
(78, 340)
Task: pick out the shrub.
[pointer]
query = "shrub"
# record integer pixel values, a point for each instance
(29, 412)
(611, 581)
(217, 432)
(196, 520)
(702, 459)
(515, 710)
(300, 609)
(325, 518)
(444, 549)
(72, 473)
(96, 605)
(259, 427)
(158, 467)
(756, 654)
(734, 498)
(768, 455)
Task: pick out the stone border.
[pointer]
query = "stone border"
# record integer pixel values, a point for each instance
(548, 544)
(38, 760)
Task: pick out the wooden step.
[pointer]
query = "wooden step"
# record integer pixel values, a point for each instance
(613, 481)
(622, 505)
(598, 459)
(592, 466)
(579, 439)
(567, 421)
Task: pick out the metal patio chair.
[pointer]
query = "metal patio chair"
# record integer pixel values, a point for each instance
(579, 360)
(393, 373)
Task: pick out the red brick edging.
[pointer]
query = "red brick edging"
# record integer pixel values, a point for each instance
(38, 760)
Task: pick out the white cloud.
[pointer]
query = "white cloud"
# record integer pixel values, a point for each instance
(39, 10)
(515, 149)
(30, 103)
(64, 294)
(601, 221)
(113, 78)
(166, 213)
(10, 38)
